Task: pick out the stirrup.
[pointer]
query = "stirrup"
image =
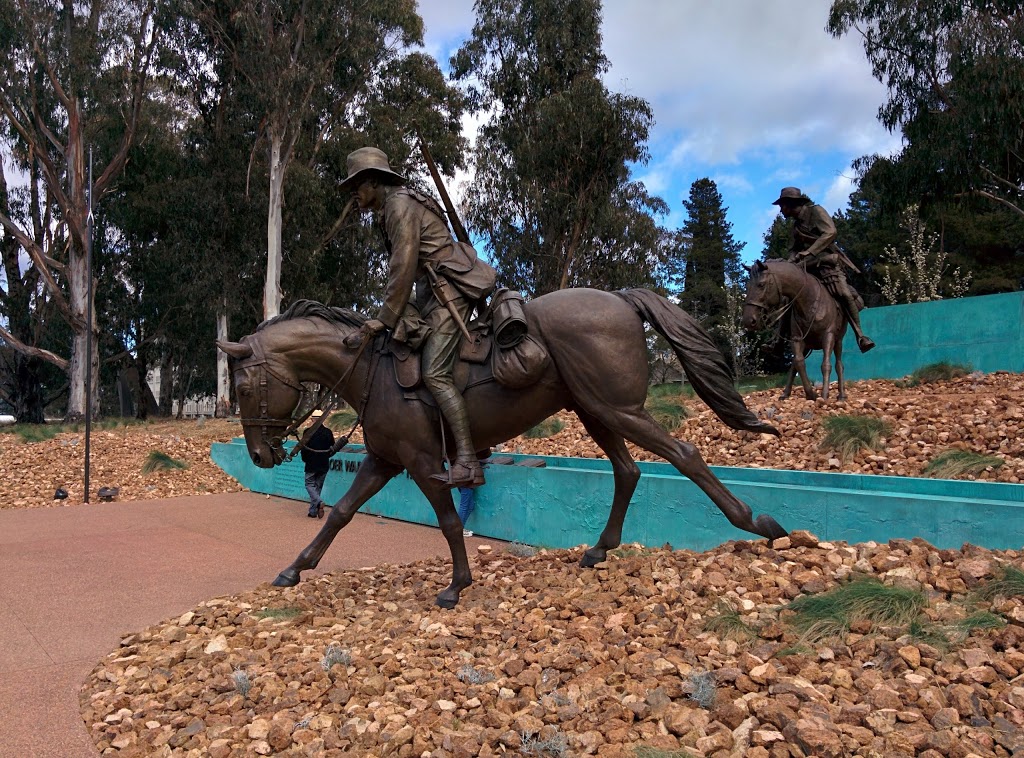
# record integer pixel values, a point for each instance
(469, 474)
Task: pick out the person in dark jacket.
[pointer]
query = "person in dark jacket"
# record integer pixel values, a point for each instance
(317, 457)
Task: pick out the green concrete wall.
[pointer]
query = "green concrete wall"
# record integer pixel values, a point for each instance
(987, 332)
(567, 503)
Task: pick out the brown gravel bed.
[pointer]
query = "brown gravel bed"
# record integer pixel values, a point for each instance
(544, 658)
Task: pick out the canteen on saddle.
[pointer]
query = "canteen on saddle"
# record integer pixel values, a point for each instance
(517, 359)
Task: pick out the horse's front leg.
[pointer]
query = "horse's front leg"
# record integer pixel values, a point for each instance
(788, 389)
(800, 365)
(440, 498)
(840, 381)
(826, 365)
(373, 474)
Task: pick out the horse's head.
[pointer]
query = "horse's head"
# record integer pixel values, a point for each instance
(760, 296)
(267, 395)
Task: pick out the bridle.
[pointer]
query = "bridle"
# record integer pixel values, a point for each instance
(266, 422)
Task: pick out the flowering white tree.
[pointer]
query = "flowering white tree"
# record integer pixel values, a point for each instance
(915, 275)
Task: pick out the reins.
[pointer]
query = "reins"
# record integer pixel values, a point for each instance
(775, 317)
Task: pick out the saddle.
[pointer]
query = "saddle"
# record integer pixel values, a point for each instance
(501, 350)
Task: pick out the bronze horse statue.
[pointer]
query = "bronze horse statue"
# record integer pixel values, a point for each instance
(782, 291)
(598, 369)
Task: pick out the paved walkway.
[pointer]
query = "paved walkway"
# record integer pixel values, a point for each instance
(75, 580)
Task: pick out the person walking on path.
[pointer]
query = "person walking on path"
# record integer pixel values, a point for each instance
(813, 246)
(316, 455)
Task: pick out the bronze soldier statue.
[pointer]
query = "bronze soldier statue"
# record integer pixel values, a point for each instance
(449, 279)
(813, 246)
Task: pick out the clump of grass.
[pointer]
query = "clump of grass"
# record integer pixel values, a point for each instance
(242, 682)
(928, 633)
(157, 461)
(549, 427)
(520, 550)
(937, 372)
(979, 620)
(647, 751)
(830, 614)
(555, 746)
(729, 624)
(341, 420)
(1008, 583)
(668, 410)
(278, 613)
(473, 675)
(334, 654)
(757, 383)
(704, 689)
(33, 432)
(792, 650)
(848, 434)
(956, 462)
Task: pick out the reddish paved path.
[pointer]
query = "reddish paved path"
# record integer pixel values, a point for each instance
(75, 580)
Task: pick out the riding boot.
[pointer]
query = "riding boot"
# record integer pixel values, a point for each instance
(465, 470)
(852, 312)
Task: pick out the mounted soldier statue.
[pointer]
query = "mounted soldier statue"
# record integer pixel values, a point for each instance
(813, 247)
(449, 279)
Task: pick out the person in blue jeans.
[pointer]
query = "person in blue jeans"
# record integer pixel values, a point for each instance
(316, 456)
(467, 498)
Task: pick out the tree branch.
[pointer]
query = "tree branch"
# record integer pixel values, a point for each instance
(39, 261)
(33, 352)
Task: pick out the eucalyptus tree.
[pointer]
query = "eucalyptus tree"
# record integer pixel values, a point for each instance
(955, 74)
(67, 72)
(551, 191)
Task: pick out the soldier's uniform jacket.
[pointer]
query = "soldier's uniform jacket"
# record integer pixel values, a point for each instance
(416, 233)
(813, 238)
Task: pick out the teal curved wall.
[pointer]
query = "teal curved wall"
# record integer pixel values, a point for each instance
(987, 332)
(566, 503)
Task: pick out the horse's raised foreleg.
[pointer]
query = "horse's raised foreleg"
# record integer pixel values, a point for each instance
(800, 364)
(626, 474)
(440, 498)
(373, 474)
(638, 427)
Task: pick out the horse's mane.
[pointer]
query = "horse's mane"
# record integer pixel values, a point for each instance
(313, 309)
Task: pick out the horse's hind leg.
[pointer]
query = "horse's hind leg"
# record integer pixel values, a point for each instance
(638, 427)
(840, 381)
(373, 474)
(626, 475)
(826, 364)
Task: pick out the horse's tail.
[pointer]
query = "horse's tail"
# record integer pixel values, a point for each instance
(702, 361)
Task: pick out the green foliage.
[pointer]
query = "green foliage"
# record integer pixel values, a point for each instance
(157, 461)
(950, 464)
(549, 427)
(980, 620)
(669, 411)
(33, 432)
(552, 192)
(922, 631)
(340, 421)
(729, 624)
(937, 372)
(758, 383)
(280, 614)
(849, 434)
(830, 614)
(648, 751)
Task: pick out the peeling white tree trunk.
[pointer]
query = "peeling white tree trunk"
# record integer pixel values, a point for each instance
(223, 409)
(79, 291)
(272, 288)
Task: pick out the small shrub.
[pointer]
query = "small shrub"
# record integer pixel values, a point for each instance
(829, 615)
(929, 634)
(555, 746)
(472, 675)
(34, 432)
(520, 550)
(953, 463)
(980, 620)
(341, 420)
(549, 427)
(241, 682)
(937, 372)
(704, 689)
(647, 751)
(157, 461)
(333, 655)
(848, 434)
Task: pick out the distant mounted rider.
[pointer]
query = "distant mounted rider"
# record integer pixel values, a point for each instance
(449, 279)
(813, 246)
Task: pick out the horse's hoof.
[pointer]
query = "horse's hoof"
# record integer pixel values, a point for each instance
(447, 601)
(769, 527)
(287, 578)
(588, 561)
(784, 396)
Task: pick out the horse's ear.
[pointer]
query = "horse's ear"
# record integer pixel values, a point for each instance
(235, 349)
(759, 265)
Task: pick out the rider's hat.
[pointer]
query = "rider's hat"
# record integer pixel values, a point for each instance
(369, 163)
(792, 195)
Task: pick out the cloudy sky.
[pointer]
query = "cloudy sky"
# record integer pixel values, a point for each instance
(751, 93)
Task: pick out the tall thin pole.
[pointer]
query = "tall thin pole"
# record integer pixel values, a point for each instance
(88, 319)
